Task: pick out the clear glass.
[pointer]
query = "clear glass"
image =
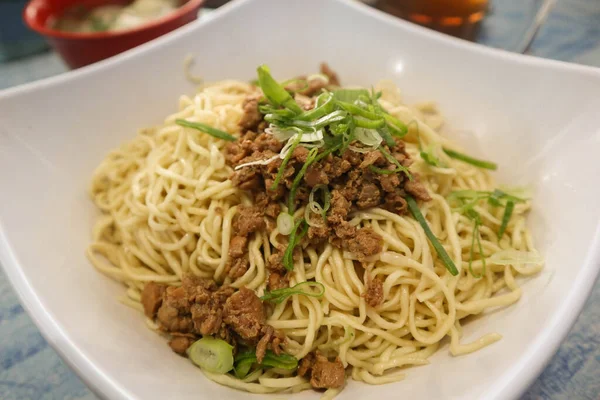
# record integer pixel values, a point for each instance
(507, 24)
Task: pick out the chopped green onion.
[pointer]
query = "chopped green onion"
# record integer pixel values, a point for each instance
(430, 159)
(278, 296)
(384, 132)
(206, 129)
(369, 124)
(327, 152)
(495, 197)
(428, 155)
(295, 237)
(334, 116)
(368, 137)
(285, 223)
(310, 158)
(395, 125)
(399, 167)
(323, 98)
(242, 367)
(468, 199)
(295, 80)
(314, 206)
(414, 209)
(280, 113)
(275, 92)
(285, 162)
(213, 355)
(356, 110)
(350, 95)
(477, 238)
(382, 171)
(245, 359)
(516, 257)
(510, 205)
(521, 192)
(470, 160)
(325, 105)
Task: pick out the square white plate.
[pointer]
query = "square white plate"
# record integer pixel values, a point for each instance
(539, 119)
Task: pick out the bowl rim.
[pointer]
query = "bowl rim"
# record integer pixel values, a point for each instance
(29, 11)
(510, 385)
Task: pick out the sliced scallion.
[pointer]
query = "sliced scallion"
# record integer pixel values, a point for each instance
(245, 359)
(476, 238)
(350, 95)
(384, 132)
(396, 126)
(508, 210)
(314, 206)
(213, 355)
(470, 160)
(382, 171)
(206, 129)
(278, 296)
(285, 162)
(310, 158)
(369, 124)
(275, 92)
(300, 229)
(392, 160)
(356, 110)
(416, 213)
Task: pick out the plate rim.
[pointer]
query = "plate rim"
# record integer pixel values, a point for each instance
(511, 384)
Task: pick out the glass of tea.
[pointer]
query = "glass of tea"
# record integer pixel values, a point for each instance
(463, 18)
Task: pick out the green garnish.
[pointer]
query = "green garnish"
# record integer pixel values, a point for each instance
(414, 210)
(326, 197)
(213, 355)
(356, 110)
(428, 155)
(275, 92)
(206, 129)
(334, 121)
(416, 213)
(467, 200)
(319, 123)
(399, 167)
(470, 160)
(396, 126)
(510, 205)
(383, 171)
(350, 95)
(369, 123)
(325, 105)
(295, 237)
(476, 238)
(285, 162)
(278, 296)
(312, 155)
(384, 132)
(289, 82)
(245, 359)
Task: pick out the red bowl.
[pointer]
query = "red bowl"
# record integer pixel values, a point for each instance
(79, 49)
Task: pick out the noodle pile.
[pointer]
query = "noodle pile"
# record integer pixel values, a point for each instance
(168, 206)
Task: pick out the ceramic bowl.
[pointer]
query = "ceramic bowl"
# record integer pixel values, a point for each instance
(538, 119)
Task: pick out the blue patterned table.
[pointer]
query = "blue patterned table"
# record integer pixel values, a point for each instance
(31, 369)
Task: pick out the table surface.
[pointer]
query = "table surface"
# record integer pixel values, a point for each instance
(31, 369)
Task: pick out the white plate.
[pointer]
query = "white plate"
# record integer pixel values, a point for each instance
(539, 119)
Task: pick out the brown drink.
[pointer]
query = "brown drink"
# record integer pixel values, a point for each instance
(455, 17)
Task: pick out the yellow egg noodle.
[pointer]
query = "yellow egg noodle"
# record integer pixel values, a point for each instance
(168, 206)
